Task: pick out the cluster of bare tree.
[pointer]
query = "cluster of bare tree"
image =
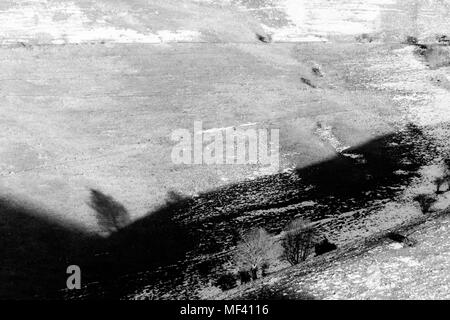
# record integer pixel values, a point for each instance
(258, 249)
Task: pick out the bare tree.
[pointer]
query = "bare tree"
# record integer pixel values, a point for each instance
(255, 252)
(297, 241)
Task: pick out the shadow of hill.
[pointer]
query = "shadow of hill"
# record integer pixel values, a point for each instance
(370, 165)
(35, 253)
(160, 240)
(149, 243)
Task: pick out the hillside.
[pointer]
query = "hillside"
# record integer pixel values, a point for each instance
(92, 91)
(379, 269)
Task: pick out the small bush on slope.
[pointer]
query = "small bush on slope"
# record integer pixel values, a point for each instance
(297, 241)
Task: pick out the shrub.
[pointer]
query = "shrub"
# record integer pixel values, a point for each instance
(437, 56)
(226, 281)
(443, 39)
(324, 246)
(254, 252)
(425, 202)
(297, 241)
(205, 268)
(307, 82)
(365, 37)
(316, 70)
(244, 276)
(412, 40)
(264, 38)
(442, 181)
(264, 267)
(397, 237)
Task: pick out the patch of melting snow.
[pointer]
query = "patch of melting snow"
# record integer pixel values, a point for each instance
(272, 281)
(312, 20)
(39, 21)
(349, 17)
(415, 97)
(400, 172)
(264, 171)
(410, 262)
(287, 208)
(326, 134)
(229, 128)
(435, 112)
(307, 204)
(376, 279)
(355, 156)
(395, 246)
(292, 34)
(289, 170)
(407, 77)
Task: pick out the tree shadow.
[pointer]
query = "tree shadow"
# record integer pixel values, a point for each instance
(111, 215)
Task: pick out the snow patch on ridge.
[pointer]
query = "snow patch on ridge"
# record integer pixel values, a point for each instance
(66, 23)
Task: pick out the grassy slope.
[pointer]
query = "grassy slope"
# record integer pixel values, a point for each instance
(100, 116)
(96, 116)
